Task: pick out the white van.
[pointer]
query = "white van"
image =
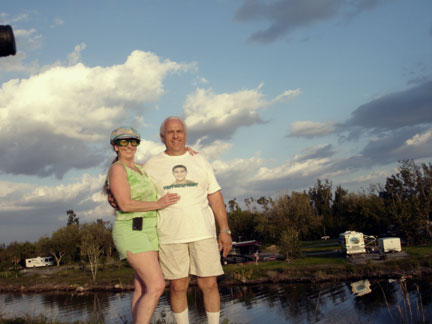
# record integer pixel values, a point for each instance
(39, 262)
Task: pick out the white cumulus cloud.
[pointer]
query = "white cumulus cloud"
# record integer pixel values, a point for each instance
(219, 115)
(69, 107)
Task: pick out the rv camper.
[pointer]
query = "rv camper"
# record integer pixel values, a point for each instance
(39, 262)
(352, 243)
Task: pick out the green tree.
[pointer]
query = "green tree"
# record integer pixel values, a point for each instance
(93, 242)
(63, 243)
(72, 217)
(339, 209)
(289, 244)
(321, 198)
(365, 212)
(295, 213)
(407, 197)
(13, 256)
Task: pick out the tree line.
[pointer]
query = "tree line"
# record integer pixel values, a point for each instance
(88, 244)
(402, 207)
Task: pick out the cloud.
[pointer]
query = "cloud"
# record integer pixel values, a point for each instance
(403, 144)
(285, 17)
(26, 40)
(57, 22)
(253, 178)
(235, 176)
(396, 126)
(75, 55)
(214, 150)
(311, 129)
(410, 107)
(36, 210)
(146, 149)
(286, 96)
(53, 121)
(211, 116)
(5, 19)
(16, 63)
(317, 152)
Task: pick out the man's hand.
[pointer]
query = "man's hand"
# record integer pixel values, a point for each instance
(225, 243)
(112, 201)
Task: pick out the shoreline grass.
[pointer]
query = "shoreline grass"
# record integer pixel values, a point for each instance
(312, 268)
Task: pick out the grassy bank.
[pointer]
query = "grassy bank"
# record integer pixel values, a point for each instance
(327, 265)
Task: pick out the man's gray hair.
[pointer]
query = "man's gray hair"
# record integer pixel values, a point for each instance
(162, 127)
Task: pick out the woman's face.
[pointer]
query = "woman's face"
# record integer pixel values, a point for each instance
(125, 151)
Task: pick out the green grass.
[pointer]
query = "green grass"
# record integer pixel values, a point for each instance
(107, 275)
(418, 251)
(320, 246)
(309, 266)
(317, 243)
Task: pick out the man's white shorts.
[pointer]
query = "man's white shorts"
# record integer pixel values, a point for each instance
(200, 258)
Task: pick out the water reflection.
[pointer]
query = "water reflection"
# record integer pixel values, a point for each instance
(361, 287)
(363, 301)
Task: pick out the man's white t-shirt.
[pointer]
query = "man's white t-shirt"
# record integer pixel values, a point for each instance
(191, 218)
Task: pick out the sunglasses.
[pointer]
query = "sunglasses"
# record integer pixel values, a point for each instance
(125, 142)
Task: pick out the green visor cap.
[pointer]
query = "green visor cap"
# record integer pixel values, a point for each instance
(124, 132)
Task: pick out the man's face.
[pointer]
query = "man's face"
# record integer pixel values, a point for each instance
(179, 173)
(174, 137)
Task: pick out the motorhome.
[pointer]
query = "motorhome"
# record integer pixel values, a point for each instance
(352, 243)
(39, 262)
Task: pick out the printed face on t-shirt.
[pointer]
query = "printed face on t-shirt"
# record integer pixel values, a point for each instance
(179, 173)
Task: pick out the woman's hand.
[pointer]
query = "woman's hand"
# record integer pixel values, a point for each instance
(191, 151)
(168, 200)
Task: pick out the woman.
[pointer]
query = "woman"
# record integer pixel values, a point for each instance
(134, 230)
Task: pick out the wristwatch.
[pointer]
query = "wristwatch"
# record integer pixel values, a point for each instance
(227, 231)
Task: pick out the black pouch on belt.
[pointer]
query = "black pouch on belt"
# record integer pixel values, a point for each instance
(137, 223)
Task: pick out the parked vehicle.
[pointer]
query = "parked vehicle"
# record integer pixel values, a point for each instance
(39, 262)
(352, 243)
(241, 252)
(389, 244)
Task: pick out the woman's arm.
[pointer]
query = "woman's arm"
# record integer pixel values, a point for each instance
(119, 186)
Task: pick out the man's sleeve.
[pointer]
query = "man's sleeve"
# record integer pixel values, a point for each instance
(213, 184)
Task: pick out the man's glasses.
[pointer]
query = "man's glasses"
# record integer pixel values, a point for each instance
(125, 142)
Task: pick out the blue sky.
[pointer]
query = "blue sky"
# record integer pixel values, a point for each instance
(275, 94)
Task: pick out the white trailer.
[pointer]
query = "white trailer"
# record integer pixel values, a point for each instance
(352, 242)
(39, 262)
(389, 244)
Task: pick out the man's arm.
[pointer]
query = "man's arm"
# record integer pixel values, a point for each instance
(218, 206)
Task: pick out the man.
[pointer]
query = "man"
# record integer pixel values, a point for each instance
(187, 232)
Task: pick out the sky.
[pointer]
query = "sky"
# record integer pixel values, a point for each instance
(275, 93)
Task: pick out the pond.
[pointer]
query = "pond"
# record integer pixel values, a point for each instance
(363, 301)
